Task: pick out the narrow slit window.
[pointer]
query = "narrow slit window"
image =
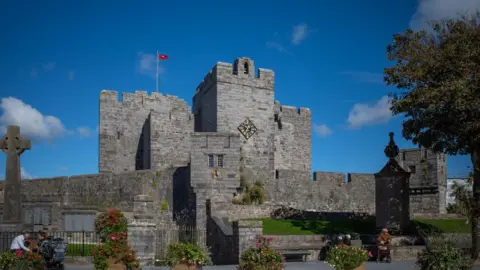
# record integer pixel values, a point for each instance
(220, 161)
(276, 174)
(211, 163)
(246, 67)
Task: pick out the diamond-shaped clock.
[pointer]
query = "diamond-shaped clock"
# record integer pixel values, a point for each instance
(247, 128)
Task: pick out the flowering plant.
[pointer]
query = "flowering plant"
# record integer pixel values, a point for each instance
(443, 254)
(186, 253)
(343, 257)
(7, 260)
(109, 222)
(112, 226)
(261, 257)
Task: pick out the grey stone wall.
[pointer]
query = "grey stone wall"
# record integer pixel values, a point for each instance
(246, 233)
(293, 138)
(125, 130)
(428, 169)
(218, 180)
(227, 97)
(87, 193)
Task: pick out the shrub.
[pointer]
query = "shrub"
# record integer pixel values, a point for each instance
(112, 227)
(186, 253)
(110, 222)
(343, 257)
(261, 257)
(442, 254)
(7, 260)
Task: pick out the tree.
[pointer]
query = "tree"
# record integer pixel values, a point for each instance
(437, 76)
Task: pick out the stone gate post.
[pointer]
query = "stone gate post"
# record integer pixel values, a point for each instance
(142, 230)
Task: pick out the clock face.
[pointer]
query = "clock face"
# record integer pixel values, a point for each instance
(247, 128)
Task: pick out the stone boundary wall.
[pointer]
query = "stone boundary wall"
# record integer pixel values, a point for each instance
(245, 233)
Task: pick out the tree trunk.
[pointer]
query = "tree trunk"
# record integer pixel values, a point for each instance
(476, 201)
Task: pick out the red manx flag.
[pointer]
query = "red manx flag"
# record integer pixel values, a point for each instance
(162, 56)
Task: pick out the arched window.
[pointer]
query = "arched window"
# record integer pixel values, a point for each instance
(245, 66)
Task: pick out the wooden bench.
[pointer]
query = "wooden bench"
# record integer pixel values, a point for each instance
(296, 255)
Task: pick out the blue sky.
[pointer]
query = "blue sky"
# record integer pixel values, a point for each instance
(57, 56)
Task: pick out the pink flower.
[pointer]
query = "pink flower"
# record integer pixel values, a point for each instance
(370, 254)
(113, 238)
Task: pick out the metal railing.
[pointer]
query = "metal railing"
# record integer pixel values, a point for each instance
(80, 243)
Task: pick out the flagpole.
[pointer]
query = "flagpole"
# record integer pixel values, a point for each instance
(156, 74)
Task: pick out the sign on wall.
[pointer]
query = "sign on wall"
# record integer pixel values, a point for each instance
(76, 222)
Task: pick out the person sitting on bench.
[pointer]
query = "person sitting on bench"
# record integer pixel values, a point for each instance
(384, 239)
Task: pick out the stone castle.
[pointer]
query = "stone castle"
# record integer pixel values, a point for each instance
(194, 158)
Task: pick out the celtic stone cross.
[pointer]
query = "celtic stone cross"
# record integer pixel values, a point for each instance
(13, 145)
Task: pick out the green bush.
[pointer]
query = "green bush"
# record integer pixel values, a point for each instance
(8, 260)
(261, 257)
(343, 257)
(186, 253)
(441, 254)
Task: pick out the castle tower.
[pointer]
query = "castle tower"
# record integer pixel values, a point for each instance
(232, 98)
(428, 180)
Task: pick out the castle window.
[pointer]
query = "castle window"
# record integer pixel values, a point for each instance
(211, 163)
(276, 174)
(403, 156)
(412, 169)
(246, 67)
(220, 161)
(118, 135)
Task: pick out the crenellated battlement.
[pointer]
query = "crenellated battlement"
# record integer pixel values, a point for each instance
(291, 114)
(141, 98)
(226, 72)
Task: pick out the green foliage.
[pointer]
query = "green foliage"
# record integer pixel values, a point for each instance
(250, 194)
(343, 257)
(438, 73)
(109, 222)
(442, 254)
(464, 202)
(112, 228)
(261, 257)
(21, 261)
(7, 260)
(164, 206)
(186, 253)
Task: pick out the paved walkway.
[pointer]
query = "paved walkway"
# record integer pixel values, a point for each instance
(317, 265)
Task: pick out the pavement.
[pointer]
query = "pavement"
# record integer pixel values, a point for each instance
(315, 265)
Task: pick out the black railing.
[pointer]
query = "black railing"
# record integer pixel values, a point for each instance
(80, 243)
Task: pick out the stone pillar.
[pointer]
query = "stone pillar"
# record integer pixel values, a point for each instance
(392, 199)
(245, 233)
(142, 230)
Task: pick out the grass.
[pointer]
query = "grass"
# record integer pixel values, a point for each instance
(354, 226)
(80, 250)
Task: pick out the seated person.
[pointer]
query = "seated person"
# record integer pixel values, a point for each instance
(347, 240)
(384, 239)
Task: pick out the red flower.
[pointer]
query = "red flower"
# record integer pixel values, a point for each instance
(19, 253)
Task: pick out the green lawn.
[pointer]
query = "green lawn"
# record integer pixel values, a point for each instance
(354, 226)
(80, 249)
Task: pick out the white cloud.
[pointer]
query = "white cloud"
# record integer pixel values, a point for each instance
(33, 72)
(276, 45)
(300, 33)
(71, 75)
(84, 131)
(322, 130)
(370, 114)
(428, 10)
(364, 76)
(62, 169)
(33, 124)
(147, 65)
(24, 174)
(49, 66)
